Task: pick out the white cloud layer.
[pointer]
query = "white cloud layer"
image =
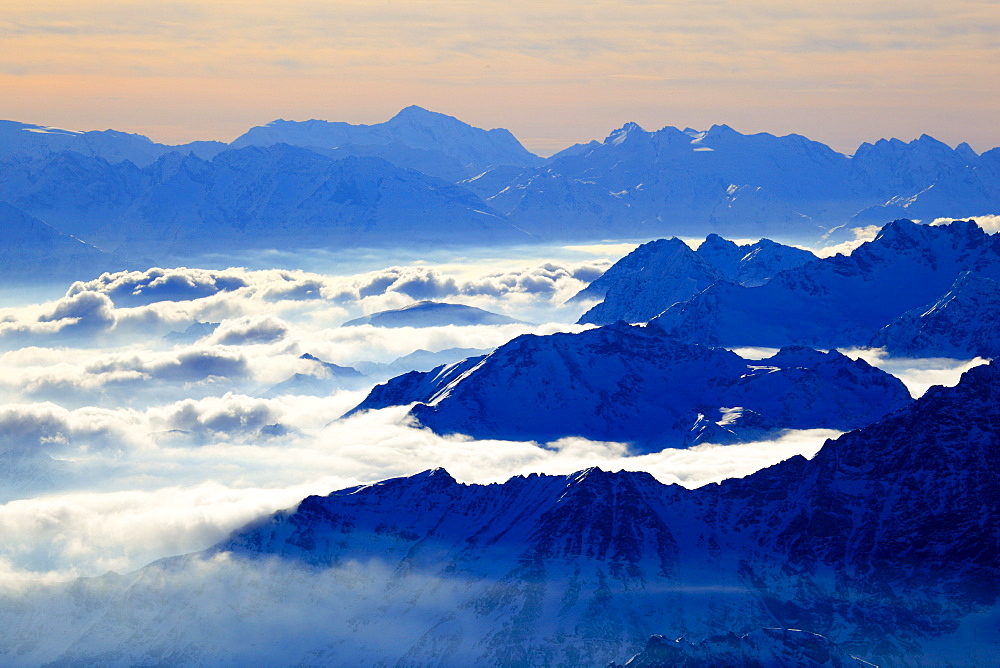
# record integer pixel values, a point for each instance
(118, 446)
(918, 374)
(989, 222)
(157, 495)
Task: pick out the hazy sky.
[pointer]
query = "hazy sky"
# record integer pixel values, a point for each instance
(554, 73)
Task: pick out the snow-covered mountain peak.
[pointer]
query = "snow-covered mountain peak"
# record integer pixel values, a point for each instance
(884, 543)
(625, 132)
(417, 485)
(979, 386)
(660, 273)
(415, 136)
(903, 234)
(417, 114)
(720, 130)
(594, 485)
(842, 300)
(713, 241)
(804, 356)
(437, 475)
(635, 384)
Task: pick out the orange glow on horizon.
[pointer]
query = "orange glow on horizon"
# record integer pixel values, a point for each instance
(556, 74)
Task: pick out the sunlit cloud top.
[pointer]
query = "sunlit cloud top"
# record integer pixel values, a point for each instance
(554, 73)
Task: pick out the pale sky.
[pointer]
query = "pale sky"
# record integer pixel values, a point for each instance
(554, 73)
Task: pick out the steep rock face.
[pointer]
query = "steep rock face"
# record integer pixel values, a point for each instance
(661, 273)
(754, 264)
(406, 388)
(840, 301)
(633, 384)
(556, 569)
(646, 281)
(897, 520)
(885, 543)
(964, 322)
(549, 517)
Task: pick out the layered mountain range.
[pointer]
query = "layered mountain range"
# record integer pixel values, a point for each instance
(964, 321)
(915, 290)
(635, 384)
(841, 300)
(885, 543)
(427, 177)
(661, 273)
(883, 547)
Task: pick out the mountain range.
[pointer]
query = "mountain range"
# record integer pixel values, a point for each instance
(964, 322)
(884, 543)
(424, 177)
(843, 300)
(637, 385)
(661, 273)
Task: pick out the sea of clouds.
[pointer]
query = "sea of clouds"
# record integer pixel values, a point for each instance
(138, 417)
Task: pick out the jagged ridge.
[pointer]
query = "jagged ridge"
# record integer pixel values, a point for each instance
(634, 384)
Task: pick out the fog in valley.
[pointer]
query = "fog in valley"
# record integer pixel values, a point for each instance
(149, 413)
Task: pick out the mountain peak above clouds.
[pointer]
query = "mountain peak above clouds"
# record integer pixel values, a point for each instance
(884, 543)
(864, 544)
(661, 273)
(320, 379)
(840, 300)
(633, 384)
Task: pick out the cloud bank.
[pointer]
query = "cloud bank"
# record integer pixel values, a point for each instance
(119, 446)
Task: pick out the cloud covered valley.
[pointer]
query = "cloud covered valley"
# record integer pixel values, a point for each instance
(144, 414)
